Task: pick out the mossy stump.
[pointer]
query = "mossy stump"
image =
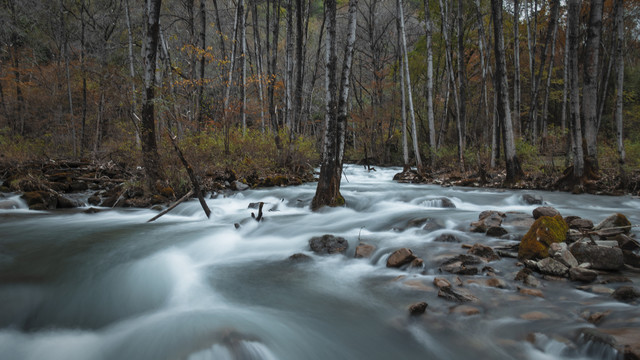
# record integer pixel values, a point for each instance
(544, 232)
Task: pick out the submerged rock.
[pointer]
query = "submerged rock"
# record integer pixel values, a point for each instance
(328, 244)
(299, 257)
(456, 294)
(364, 250)
(484, 252)
(544, 231)
(461, 265)
(531, 199)
(447, 237)
(600, 257)
(418, 308)
(626, 294)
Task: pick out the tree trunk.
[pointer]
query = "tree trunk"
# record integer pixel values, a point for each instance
(516, 63)
(258, 49)
(430, 111)
(462, 86)
(514, 172)
(132, 74)
(547, 88)
(243, 63)
(407, 79)
(288, 83)
(619, 20)
(565, 81)
(403, 102)
(573, 18)
(203, 42)
(328, 190)
(273, 63)
(83, 70)
(149, 148)
(590, 86)
(300, 66)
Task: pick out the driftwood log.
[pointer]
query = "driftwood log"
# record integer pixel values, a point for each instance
(173, 206)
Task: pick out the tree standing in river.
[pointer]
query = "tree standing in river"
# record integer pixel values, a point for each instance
(328, 190)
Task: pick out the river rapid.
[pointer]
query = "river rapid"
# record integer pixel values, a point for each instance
(109, 285)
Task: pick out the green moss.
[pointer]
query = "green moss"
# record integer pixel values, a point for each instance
(544, 231)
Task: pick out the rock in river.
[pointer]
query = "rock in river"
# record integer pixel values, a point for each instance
(600, 257)
(400, 257)
(544, 231)
(328, 244)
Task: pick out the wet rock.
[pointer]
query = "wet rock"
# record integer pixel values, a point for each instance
(364, 250)
(526, 276)
(627, 243)
(594, 318)
(94, 200)
(518, 220)
(328, 244)
(78, 186)
(600, 257)
(626, 294)
(544, 231)
(418, 308)
(299, 258)
(484, 252)
(496, 231)
(40, 200)
(447, 237)
(559, 252)
(92, 210)
(441, 282)
(534, 315)
(626, 341)
(531, 199)
(595, 335)
(445, 203)
(531, 292)
(631, 258)
(465, 310)
(432, 225)
(409, 176)
(64, 202)
(416, 263)
(9, 204)
(550, 266)
(461, 265)
(544, 211)
(456, 294)
(582, 274)
(615, 221)
(400, 257)
(496, 283)
(487, 219)
(239, 186)
(580, 224)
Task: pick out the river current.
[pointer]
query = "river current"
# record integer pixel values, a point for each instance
(109, 285)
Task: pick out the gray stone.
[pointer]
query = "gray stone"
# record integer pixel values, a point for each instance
(560, 253)
(617, 221)
(239, 186)
(550, 266)
(447, 237)
(582, 274)
(484, 252)
(626, 294)
(328, 244)
(518, 220)
(456, 294)
(580, 224)
(631, 258)
(600, 257)
(532, 199)
(496, 231)
(544, 211)
(487, 219)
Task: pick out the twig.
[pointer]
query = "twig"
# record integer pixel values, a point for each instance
(173, 206)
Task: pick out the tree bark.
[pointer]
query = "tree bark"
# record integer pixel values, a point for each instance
(260, 70)
(573, 18)
(203, 42)
(514, 172)
(328, 190)
(516, 63)
(462, 85)
(132, 74)
(590, 86)
(243, 64)
(619, 20)
(149, 147)
(403, 101)
(430, 111)
(300, 66)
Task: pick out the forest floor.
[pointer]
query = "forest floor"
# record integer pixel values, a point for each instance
(51, 184)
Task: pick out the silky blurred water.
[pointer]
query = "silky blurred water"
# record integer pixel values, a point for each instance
(111, 286)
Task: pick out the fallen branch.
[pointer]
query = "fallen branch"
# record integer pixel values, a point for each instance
(173, 206)
(100, 179)
(192, 176)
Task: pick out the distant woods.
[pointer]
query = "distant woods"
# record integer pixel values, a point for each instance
(518, 85)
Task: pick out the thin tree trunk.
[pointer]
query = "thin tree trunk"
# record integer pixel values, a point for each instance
(619, 20)
(430, 111)
(258, 49)
(243, 62)
(547, 88)
(407, 75)
(299, 78)
(514, 172)
(573, 16)
(565, 78)
(273, 63)
(516, 62)
(483, 62)
(132, 74)
(219, 27)
(462, 85)
(148, 132)
(203, 42)
(288, 83)
(96, 144)
(590, 86)
(403, 104)
(84, 78)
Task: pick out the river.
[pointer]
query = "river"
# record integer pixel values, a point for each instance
(109, 285)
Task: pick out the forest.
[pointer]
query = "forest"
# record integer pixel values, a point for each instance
(536, 94)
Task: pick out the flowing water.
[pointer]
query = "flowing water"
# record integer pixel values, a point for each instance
(111, 286)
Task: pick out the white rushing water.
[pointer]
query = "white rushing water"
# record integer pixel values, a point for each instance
(111, 286)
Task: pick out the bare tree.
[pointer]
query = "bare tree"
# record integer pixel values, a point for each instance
(573, 18)
(619, 21)
(430, 112)
(328, 190)
(148, 132)
(514, 172)
(516, 64)
(590, 86)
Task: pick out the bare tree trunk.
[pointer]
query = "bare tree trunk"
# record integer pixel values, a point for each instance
(132, 74)
(590, 86)
(328, 190)
(83, 70)
(430, 111)
(547, 88)
(407, 75)
(96, 143)
(403, 103)
(288, 78)
(565, 78)
(514, 172)
(516, 63)
(243, 62)
(484, 64)
(619, 20)
(219, 27)
(462, 85)
(203, 41)
(149, 148)
(258, 49)
(573, 18)
(66, 50)
(273, 63)
(300, 66)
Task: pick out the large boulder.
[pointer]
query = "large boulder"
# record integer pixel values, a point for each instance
(600, 257)
(545, 231)
(400, 258)
(328, 244)
(613, 225)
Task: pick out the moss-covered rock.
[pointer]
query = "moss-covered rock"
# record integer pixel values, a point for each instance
(544, 232)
